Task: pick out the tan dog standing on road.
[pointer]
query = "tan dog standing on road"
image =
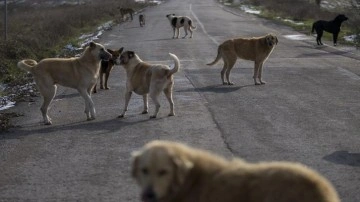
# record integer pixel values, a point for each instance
(255, 49)
(144, 79)
(79, 73)
(173, 172)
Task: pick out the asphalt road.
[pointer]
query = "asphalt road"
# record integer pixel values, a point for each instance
(308, 112)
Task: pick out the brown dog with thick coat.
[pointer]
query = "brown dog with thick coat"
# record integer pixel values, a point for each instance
(144, 78)
(256, 49)
(173, 172)
(79, 73)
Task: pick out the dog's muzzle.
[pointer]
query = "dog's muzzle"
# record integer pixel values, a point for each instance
(117, 61)
(148, 195)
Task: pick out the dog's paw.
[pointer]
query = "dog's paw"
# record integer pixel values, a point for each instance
(101, 87)
(153, 117)
(230, 83)
(172, 114)
(144, 112)
(90, 119)
(107, 88)
(121, 116)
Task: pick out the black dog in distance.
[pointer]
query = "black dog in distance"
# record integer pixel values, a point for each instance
(142, 20)
(332, 26)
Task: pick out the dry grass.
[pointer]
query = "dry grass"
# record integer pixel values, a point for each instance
(39, 32)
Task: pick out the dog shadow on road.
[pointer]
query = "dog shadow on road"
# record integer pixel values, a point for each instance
(215, 89)
(344, 158)
(164, 39)
(103, 126)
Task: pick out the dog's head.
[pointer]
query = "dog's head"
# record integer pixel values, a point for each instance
(116, 55)
(98, 51)
(169, 16)
(341, 18)
(160, 169)
(126, 57)
(271, 40)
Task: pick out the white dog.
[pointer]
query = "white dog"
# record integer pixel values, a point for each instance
(181, 21)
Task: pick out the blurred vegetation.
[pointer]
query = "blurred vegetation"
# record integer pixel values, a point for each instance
(43, 30)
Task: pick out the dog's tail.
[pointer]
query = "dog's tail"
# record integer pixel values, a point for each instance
(218, 57)
(27, 64)
(191, 25)
(177, 64)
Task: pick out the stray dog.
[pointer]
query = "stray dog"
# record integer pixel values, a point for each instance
(79, 73)
(144, 79)
(181, 21)
(173, 172)
(107, 66)
(332, 26)
(142, 20)
(125, 11)
(256, 49)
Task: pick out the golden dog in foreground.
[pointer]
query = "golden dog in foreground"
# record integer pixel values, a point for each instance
(173, 172)
(255, 49)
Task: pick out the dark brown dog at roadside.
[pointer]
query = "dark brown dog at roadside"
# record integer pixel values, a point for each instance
(142, 20)
(107, 66)
(255, 49)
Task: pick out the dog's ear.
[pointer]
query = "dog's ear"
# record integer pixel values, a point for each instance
(92, 45)
(131, 54)
(182, 168)
(135, 163)
(121, 50)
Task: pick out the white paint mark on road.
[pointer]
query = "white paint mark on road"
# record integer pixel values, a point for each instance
(202, 26)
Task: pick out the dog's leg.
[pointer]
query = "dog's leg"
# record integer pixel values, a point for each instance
(230, 65)
(191, 32)
(94, 89)
(223, 73)
(260, 73)
(318, 37)
(256, 72)
(185, 29)
(174, 30)
(145, 100)
(107, 74)
(335, 36)
(48, 94)
(154, 94)
(89, 104)
(168, 94)
(101, 80)
(178, 32)
(127, 99)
